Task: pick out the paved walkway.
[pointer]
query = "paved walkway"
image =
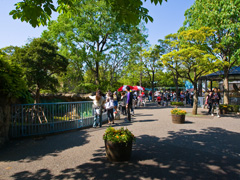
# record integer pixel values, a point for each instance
(205, 147)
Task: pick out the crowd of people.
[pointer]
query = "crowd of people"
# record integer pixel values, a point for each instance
(113, 105)
(125, 102)
(165, 97)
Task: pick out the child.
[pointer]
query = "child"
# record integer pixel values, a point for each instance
(109, 107)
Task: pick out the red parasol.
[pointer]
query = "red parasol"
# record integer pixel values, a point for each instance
(138, 88)
(123, 88)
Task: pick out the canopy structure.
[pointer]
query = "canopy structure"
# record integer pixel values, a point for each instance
(234, 74)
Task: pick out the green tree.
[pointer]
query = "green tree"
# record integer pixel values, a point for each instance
(38, 12)
(11, 77)
(171, 43)
(132, 67)
(151, 63)
(92, 38)
(166, 79)
(194, 57)
(223, 17)
(41, 63)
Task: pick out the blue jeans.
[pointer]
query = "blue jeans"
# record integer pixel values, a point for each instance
(97, 118)
(150, 98)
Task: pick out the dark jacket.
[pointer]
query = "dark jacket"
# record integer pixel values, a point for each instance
(209, 99)
(216, 97)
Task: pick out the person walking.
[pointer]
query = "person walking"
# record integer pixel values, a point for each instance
(174, 96)
(150, 96)
(209, 101)
(109, 107)
(187, 97)
(182, 96)
(191, 98)
(159, 100)
(115, 100)
(123, 103)
(215, 102)
(98, 103)
(129, 103)
(133, 103)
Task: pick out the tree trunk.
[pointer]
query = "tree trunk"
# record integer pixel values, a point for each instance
(112, 76)
(195, 100)
(97, 73)
(176, 85)
(37, 97)
(140, 81)
(226, 89)
(153, 87)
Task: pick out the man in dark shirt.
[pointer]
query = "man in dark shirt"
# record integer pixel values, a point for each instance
(129, 103)
(215, 102)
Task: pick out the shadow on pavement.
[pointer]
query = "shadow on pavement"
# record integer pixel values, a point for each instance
(212, 153)
(28, 150)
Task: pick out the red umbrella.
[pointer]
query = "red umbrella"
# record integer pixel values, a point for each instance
(123, 88)
(138, 88)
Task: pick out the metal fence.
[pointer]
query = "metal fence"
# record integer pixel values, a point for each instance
(45, 118)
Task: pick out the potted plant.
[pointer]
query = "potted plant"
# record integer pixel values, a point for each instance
(178, 116)
(118, 144)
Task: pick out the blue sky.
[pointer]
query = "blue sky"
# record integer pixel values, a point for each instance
(168, 18)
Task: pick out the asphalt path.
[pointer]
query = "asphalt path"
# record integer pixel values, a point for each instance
(204, 147)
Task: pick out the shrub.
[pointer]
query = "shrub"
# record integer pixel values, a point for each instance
(177, 103)
(229, 108)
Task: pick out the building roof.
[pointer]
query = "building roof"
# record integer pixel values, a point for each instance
(234, 74)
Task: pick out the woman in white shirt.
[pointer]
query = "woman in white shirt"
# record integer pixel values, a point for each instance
(109, 107)
(98, 103)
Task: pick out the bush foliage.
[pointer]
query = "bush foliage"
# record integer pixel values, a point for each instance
(177, 103)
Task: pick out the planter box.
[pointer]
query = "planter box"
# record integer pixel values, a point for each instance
(178, 119)
(223, 111)
(118, 151)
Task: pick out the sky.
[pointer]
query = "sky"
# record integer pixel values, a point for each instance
(168, 18)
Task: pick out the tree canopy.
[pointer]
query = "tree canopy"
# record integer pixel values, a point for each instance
(223, 17)
(38, 12)
(193, 56)
(96, 44)
(41, 62)
(11, 77)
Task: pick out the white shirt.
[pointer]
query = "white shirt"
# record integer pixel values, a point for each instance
(97, 103)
